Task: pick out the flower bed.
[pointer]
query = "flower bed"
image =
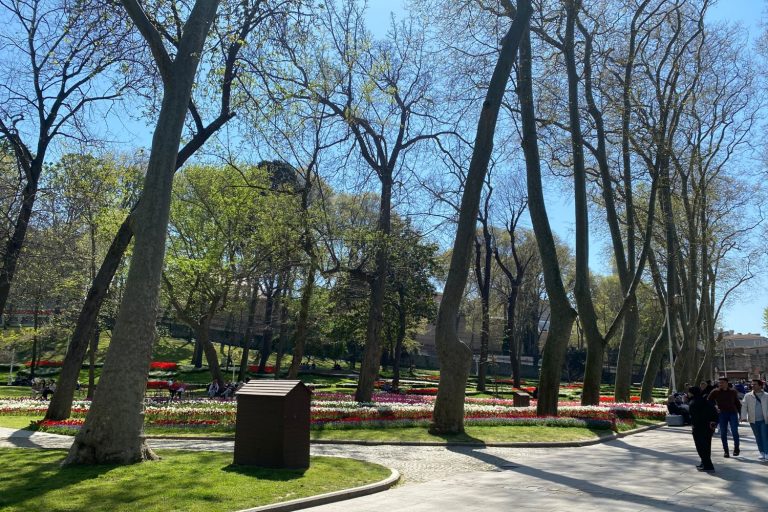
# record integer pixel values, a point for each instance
(254, 368)
(163, 365)
(340, 411)
(46, 363)
(421, 391)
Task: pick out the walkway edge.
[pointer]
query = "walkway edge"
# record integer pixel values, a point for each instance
(553, 444)
(331, 497)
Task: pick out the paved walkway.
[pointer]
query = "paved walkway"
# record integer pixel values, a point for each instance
(651, 471)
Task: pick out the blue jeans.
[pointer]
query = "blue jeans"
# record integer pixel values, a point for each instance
(731, 418)
(760, 428)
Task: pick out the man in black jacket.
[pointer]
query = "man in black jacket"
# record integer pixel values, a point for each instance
(703, 419)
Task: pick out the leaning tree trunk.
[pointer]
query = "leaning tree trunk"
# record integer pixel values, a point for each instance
(92, 361)
(455, 357)
(302, 326)
(113, 429)
(562, 315)
(60, 406)
(371, 361)
(202, 333)
(16, 242)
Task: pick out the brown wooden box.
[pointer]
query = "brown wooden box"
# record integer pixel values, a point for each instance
(520, 399)
(272, 425)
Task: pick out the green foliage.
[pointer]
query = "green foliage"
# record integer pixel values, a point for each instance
(227, 225)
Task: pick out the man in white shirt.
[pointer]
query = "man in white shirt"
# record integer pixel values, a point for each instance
(755, 410)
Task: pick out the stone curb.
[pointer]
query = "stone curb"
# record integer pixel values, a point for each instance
(553, 444)
(331, 497)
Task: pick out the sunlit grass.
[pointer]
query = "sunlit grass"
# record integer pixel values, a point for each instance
(190, 481)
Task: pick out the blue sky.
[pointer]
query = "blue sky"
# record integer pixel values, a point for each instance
(745, 314)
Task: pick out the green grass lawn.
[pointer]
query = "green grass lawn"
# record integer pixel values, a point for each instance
(17, 421)
(190, 481)
(473, 434)
(15, 392)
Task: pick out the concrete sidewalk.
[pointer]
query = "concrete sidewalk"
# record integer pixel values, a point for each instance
(652, 471)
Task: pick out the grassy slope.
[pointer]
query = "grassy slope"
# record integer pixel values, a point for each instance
(190, 481)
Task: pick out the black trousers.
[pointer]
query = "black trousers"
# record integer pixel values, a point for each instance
(703, 440)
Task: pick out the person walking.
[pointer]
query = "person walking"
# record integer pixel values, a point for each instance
(728, 407)
(703, 420)
(755, 411)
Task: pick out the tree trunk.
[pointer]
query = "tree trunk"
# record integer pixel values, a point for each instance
(61, 403)
(562, 315)
(248, 338)
(33, 362)
(302, 326)
(113, 429)
(455, 357)
(92, 361)
(16, 242)
(582, 291)
(653, 366)
(202, 332)
(371, 360)
(483, 275)
(266, 334)
(624, 366)
(401, 327)
(514, 344)
(283, 332)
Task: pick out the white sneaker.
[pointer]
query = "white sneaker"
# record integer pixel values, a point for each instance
(764, 457)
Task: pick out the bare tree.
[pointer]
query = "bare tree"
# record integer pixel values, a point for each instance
(60, 66)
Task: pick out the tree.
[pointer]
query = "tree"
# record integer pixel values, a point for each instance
(216, 225)
(562, 314)
(112, 431)
(379, 91)
(238, 21)
(61, 64)
(513, 265)
(483, 264)
(448, 416)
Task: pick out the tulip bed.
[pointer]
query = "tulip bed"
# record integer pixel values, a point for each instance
(338, 411)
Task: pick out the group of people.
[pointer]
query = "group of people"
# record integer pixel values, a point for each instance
(227, 391)
(711, 408)
(44, 387)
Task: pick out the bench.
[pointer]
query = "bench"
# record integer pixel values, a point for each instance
(674, 420)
